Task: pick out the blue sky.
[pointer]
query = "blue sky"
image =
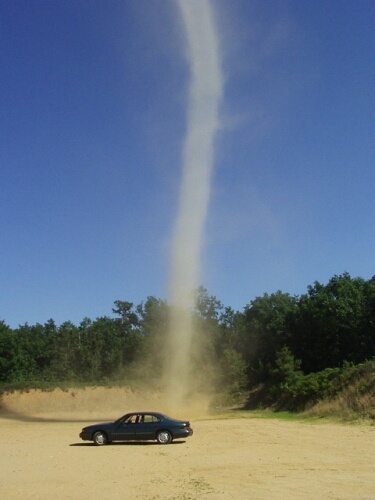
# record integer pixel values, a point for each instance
(93, 99)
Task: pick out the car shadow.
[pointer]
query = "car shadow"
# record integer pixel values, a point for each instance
(129, 443)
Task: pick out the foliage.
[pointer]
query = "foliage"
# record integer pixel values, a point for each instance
(301, 349)
(332, 324)
(233, 377)
(266, 330)
(293, 390)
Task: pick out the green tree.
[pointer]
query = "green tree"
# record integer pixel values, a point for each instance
(267, 329)
(153, 341)
(129, 331)
(328, 325)
(207, 307)
(99, 354)
(218, 337)
(128, 316)
(366, 338)
(206, 320)
(64, 353)
(8, 350)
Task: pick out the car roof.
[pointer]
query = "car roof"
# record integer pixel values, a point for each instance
(156, 413)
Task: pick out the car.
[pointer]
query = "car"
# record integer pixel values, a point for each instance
(138, 426)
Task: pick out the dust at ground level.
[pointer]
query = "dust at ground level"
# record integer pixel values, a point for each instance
(42, 456)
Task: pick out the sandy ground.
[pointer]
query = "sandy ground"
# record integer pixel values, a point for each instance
(42, 456)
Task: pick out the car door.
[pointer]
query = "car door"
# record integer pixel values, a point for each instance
(124, 430)
(146, 427)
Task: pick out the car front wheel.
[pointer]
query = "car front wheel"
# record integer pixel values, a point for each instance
(164, 437)
(100, 438)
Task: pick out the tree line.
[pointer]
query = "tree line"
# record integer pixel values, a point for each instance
(277, 338)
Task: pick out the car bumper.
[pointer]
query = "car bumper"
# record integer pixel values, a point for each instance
(183, 433)
(85, 436)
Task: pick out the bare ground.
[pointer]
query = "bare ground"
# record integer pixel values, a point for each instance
(42, 456)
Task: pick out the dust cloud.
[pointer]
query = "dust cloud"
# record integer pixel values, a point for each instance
(205, 93)
(90, 404)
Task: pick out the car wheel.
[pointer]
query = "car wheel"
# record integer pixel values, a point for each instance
(100, 438)
(164, 437)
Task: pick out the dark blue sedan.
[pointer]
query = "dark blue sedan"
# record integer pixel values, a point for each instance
(140, 426)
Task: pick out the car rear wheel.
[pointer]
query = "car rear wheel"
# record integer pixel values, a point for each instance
(164, 437)
(100, 438)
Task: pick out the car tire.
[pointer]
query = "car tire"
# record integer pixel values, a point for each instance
(164, 437)
(100, 438)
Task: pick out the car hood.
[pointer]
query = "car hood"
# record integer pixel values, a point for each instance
(95, 426)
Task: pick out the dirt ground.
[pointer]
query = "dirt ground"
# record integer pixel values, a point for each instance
(239, 457)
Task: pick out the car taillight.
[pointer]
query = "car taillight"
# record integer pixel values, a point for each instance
(186, 426)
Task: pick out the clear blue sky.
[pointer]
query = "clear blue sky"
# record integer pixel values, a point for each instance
(93, 98)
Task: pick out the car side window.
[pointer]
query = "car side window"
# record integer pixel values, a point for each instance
(131, 419)
(151, 419)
